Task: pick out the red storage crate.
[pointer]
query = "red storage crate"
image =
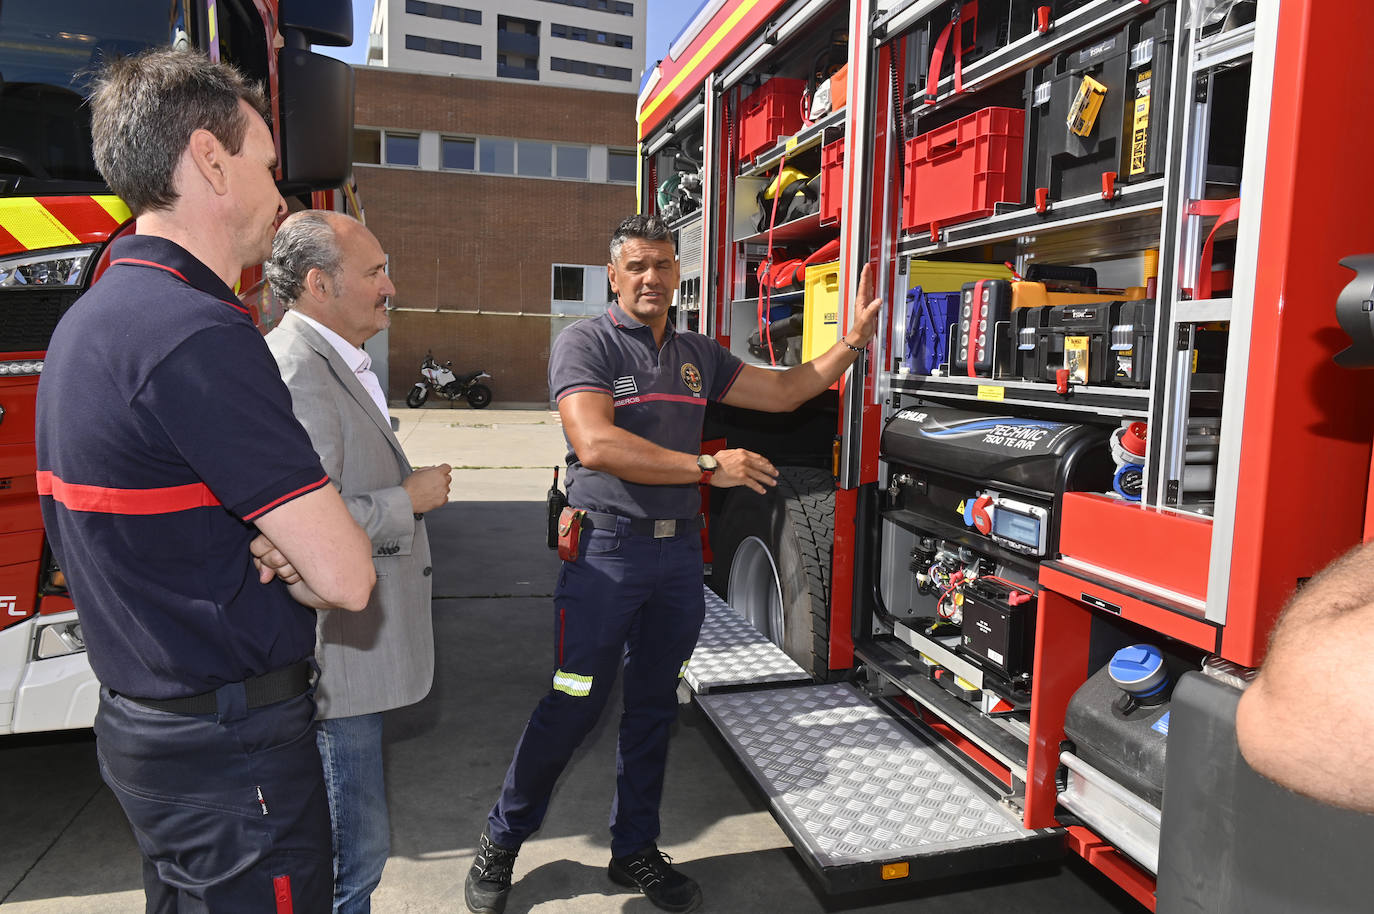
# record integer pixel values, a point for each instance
(832, 182)
(961, 170)
(772, 111)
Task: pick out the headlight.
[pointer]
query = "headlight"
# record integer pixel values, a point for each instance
(64, 267)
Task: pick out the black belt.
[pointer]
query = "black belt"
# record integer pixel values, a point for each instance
(267, 689)
(643, 526)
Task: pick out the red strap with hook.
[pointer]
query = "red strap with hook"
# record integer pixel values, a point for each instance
(1225, 211)
(937, 54)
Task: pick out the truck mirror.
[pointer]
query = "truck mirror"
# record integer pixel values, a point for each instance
(316, 126)
(327, 22)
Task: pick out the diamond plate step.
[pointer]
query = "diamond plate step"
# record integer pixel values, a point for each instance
(856, 791)
(731, 653)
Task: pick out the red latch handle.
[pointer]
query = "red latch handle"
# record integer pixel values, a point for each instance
(1108, 185)
(1042, 19)
(1042, 199)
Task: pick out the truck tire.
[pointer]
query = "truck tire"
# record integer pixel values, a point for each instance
(771, 562)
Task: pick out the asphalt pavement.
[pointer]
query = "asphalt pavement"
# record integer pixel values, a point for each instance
(68, 848)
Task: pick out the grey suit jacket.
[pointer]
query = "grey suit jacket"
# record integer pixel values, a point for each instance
(382, 657)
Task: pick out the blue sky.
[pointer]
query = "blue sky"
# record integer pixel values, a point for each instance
(666, 19)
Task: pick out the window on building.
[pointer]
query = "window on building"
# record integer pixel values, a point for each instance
(367, 146)
(439, 46)
(458, 153)
(567, 282)
(577, 33)
(402, 149)
(443, 11)
(621, 166)
(535, 159)
(585, 68)
(619, 7)
(497, 157)
(572, 162)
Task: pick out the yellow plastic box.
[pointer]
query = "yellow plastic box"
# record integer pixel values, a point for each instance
(821, 325)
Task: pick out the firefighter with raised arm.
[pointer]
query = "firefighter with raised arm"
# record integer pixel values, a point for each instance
(632, 392)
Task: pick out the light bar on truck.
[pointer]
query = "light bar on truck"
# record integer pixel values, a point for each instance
(54, 267)
(21, 368)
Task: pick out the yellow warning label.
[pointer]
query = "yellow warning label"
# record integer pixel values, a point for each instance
(1140, 132)
(1086, 104)
(791, 144)
(960, 509)
(1076, 358)
(991, 392)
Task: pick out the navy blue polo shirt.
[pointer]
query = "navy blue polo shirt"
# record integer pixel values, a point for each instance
(659, 394)
(163, 430)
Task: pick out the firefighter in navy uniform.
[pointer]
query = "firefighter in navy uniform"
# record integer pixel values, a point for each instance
(632, 392)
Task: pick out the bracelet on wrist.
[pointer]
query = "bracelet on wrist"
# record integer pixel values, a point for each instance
(850, 347)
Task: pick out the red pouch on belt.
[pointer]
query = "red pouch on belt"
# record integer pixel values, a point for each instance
(570, 533)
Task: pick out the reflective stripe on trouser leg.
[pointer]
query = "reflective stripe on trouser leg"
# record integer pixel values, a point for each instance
(660, 643)
(596, 601)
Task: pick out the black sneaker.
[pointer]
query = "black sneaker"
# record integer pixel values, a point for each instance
(651, 872)
(488, 881)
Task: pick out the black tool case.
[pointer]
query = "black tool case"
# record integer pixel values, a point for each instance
(1127, 138)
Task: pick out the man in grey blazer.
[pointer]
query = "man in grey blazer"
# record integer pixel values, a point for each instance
(330, 271)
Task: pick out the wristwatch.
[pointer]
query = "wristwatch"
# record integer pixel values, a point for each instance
(708, 466)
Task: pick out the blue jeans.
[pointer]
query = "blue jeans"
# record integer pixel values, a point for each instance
(630, 605)
(351, 750)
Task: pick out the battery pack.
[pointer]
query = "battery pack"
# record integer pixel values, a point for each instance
(999, 628)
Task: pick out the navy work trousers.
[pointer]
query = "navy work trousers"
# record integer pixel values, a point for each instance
(229, 809)
(628, 599)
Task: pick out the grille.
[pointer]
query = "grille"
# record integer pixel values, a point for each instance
(28, 317)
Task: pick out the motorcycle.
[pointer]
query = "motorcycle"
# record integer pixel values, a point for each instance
(442, 380)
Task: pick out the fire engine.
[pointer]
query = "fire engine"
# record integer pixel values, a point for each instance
(1098, 441)
(56, 222)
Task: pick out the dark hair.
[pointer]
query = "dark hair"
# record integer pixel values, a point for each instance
(645, 228)
(306, 240)
(144, 110)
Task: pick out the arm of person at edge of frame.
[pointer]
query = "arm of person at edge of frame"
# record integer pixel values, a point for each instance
(427, 489)
(783, 391)
(1318, 742)
(328, 554)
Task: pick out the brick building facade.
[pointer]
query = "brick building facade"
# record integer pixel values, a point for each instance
(473, 246)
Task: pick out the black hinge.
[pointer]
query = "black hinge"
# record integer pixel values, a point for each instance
(1171, 492)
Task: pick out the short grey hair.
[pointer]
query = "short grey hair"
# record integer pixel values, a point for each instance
(144, 110)
(306, 240)
(645, 228)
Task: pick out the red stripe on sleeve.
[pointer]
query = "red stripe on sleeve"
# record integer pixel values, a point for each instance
(731, 383)
(580, 390)
(287, 497)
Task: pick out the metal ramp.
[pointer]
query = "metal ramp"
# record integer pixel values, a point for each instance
(864, 799)
(731, 653)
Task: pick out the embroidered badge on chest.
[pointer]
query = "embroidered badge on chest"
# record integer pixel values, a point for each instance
(691, 377)
(625, 386)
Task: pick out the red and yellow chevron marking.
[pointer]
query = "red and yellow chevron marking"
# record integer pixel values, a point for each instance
(34, 223)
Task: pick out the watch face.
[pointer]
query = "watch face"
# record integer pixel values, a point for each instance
(707, 462)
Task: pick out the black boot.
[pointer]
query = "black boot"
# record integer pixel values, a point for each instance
(651, 872)
(488, 881)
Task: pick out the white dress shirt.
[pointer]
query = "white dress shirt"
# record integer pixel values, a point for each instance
(356, 359)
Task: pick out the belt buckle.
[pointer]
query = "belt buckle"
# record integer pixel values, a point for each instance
(663, 528)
